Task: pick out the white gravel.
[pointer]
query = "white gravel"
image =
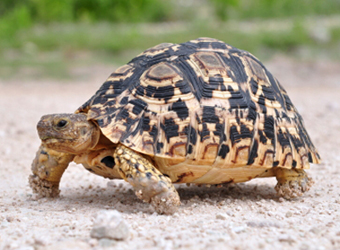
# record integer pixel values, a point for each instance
(244, 216)
(109, 224)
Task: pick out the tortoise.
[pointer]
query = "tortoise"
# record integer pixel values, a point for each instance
(200, 112)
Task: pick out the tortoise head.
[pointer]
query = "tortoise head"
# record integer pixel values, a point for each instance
(69, 133)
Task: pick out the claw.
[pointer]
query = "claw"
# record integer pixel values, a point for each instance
(43, 188)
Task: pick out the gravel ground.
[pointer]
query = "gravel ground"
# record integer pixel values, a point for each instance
(243, 216)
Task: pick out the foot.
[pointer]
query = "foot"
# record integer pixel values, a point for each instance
(43, 188)
(149, 183)
(292, 183)
(48, 166)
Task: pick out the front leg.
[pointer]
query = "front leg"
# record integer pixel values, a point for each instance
(48, 166)
(149, 183)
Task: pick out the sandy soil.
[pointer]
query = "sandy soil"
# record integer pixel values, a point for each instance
(243, 216)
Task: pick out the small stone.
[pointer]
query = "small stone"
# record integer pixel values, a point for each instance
(289, 214)
(239, 229)
(286, 238)
(93, 242)
(221, 203)
(316, 230)
(176, 215)
(271, 214)
(221, 216)
(10, 218)
(39, 242)
(111, 184)
(110, 224)
(230, 213)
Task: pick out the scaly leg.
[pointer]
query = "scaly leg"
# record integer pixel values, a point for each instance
(48, 166)
(149, 183)
(292, 182)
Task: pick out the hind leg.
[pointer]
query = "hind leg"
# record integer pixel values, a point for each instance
(292, 183)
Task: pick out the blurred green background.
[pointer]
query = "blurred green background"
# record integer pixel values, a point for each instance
(53, 36)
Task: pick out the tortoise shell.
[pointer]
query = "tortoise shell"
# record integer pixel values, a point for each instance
(201, 105)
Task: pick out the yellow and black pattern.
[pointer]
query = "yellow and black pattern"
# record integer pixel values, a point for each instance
(201, 103)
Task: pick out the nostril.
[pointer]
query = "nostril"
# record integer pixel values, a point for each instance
(42, 128)
(41, 124)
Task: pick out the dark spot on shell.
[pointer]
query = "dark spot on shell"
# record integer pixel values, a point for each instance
(235, 136)
(294, 164)
(253, 153)
(184, 87)
(209, 115)
(181, 176)
(159, 146)
(138, 106)
(310, 158)
(181, 109)
(124, 100)
(269, 127)
(189, 149)
(205, 133)
(224, 150)
(170, 128)
(236, 66)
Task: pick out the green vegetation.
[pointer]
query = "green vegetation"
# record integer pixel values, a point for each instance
(89, 10)
(249, 9)
(52, 35)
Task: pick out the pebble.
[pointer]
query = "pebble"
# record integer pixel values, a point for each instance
(289, 214)
(316, 230)
(110, 224)
(239, 229)
(221, 216)
(111, 184)
(93, 242)
(230, 213)
(286, 238)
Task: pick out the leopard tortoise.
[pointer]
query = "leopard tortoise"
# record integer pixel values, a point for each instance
(199, 112)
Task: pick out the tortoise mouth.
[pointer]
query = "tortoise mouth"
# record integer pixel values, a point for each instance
(48, 139)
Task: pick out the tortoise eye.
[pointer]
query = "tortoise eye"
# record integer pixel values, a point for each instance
(61, 123)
